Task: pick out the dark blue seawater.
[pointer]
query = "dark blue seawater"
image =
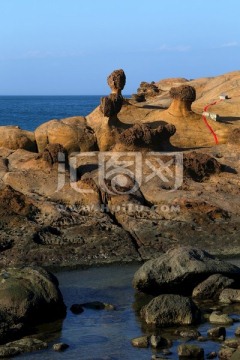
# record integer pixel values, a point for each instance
(29, 112)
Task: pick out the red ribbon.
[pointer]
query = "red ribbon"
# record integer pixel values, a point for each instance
(206, 122)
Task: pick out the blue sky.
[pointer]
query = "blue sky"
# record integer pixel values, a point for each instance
(68, 47)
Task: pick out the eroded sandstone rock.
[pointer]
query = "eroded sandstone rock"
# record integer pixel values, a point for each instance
(12, 137)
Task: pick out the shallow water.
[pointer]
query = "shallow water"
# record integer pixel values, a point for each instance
(102, 334)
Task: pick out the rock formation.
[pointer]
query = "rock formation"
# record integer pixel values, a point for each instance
(112, 134)
(72, 133)
(12, 137)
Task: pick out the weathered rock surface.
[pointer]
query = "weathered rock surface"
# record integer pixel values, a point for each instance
(217, 317)
(12, 137)
(179, 271)
(25, 345)
(72, 133)
(187, 351)
(30, 295)
(212, 287)
(169, 310)
(229, 296)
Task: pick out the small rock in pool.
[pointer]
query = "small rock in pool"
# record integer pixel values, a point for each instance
(76, 309)
(217, 332)
(98, 305)
(60, 347)
(140, 342)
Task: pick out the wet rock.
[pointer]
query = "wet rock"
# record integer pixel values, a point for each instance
(60, 347)
(140, 342)
(24, 345)
(236, 355)
(179, 271)
(217, 332)
(157, 341)
(211, 287)
(229, 296)
(188, 333)
(98, 305)
(237, 331)
(30, 295)
(217, 317)
(212, 355)
(226, 353)
(188, 351)
(232, 343)
(170, 310)
(76, 309)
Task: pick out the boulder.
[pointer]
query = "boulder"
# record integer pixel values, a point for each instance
(211, 287)
(189, 351)
(229, 296)
(72, 133)
(170, 310)
(179, 271)
(25, 345)
(217, 317)
(30, 295)
(12, 137)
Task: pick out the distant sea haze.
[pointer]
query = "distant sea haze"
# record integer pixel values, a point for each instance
(28, 112)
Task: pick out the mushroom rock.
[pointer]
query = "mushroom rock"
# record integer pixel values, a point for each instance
(113, 134)
(116, 81)
(191, 129)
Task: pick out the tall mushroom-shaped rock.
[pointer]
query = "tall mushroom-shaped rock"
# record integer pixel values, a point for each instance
(183, 97)
(112, 134)
(191, 130)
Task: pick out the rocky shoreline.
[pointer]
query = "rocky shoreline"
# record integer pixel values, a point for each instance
(127, 183)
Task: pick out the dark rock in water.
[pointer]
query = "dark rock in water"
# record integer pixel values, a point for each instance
(24, 345)
(76, 309)
(98, 305)
(211, 287)
(212, 355)
(188, 351)
(179, 271)
(200, 166)
(60, 347)
(169, 310)
(158, 341)
(217, 332)
(30, 295)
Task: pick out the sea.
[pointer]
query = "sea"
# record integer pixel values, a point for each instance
(28, 112)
